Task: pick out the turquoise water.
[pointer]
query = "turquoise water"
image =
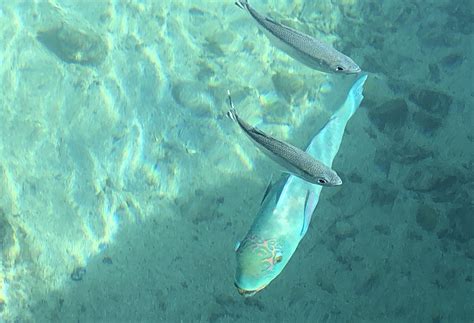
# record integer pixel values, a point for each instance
(123, 187)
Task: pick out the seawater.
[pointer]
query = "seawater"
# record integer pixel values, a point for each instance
(123, 187)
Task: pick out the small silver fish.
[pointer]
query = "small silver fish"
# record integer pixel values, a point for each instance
(293, 159)
(304, 48)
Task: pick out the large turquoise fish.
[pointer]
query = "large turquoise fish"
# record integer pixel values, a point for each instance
(287, 208)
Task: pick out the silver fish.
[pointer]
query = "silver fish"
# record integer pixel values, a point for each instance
(291, 158)
(304, 48)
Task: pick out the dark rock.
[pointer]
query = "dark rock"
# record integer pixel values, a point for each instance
(462, 223)
(460, 19)
(344, 230)
(7, 235)
(432, 178)
(224, 300)
(427, 217)
(216, 316)
(409, 153)
(382, 195)
(287, 85)
(326, 285)
(383, 229)
(372, 281)
(414, 236)
(390, 114)
(437, 318)
(194, 97)
(442, 234)
(78, 273)
(107, 261)
(205, 73)
(420, 178)
(449, 188)
(434, 73)
(213, 47)
(469, 252)
(452, 60)
(432, 36)
(254, 303)
(355, 178)
(382, 160)
(426, 122)
(432, 102)
(72, 45)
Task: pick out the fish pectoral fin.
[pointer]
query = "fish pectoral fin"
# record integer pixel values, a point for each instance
(237, 246)
(309, 206)
(267, 190)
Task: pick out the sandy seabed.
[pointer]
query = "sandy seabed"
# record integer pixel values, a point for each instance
(123, 187)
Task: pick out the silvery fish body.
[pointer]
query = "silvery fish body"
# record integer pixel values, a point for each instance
(287, 208)
(291, 158)
(304, 48)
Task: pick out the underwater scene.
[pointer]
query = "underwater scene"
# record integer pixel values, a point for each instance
(236, 161)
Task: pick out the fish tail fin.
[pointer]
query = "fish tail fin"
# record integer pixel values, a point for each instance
(232, 113)
(242, 4)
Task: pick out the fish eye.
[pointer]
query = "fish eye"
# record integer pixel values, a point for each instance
(339, 68)
(278, 258)
(322, 181)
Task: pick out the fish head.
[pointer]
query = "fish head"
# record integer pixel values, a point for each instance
(259, 261)
(345, 65)
(324, 176)
(329, 179)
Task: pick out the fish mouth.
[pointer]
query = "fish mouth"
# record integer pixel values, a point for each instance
(248, 293)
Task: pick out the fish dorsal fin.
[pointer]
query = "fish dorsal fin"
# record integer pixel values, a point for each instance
(259, 132)
(299, 33)
(309, 206)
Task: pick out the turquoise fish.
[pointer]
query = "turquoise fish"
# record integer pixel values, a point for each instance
(287, 208)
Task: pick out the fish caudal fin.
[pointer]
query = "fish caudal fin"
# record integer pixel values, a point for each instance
(232, 113)
(242, 4)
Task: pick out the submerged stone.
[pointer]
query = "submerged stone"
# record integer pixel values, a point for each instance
(409, 153)
(427, 217)
(193, 96)
(383, 160)
(462, 223)
(78, 273)
(427, 123)
(422, 178)
(288, 85)
(432, 102)
(453, 60)
(7, 238)
(382, 195)
(74, 46)
(392, 114)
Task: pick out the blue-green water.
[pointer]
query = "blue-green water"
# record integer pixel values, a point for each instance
(123, 187)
